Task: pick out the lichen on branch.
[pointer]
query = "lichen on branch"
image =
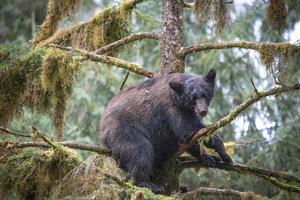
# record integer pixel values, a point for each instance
(57, 10)
(109, 25)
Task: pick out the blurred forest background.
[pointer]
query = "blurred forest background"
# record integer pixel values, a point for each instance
(266, 135)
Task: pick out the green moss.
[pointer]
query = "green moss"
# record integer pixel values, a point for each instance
(38, 79)
(217, 12)
(57, 10)
(59, 71)
(277, 15)
(108, 26)
(18, 68)
(36, 172)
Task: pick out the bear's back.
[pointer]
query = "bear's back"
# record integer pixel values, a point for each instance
(142, 107)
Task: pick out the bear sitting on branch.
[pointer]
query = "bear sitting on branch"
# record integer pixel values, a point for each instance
(145, 124)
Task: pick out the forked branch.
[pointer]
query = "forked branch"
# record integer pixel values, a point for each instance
(280, 179)
(256, 96)
(127, 40)
(108, 60)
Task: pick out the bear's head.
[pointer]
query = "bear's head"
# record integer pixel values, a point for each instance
(194, 92)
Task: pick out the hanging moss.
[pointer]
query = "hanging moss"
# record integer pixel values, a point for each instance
(108, 26)
(59, 71)
(57, 10)
(206, 10)
(100, 178)
(33, 174)
(18, 67)
(276, 15)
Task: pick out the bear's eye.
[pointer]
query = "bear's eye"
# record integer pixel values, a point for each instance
(195, 96)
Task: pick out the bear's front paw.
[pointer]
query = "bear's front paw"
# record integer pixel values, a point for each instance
(226, 158)
(208, 160)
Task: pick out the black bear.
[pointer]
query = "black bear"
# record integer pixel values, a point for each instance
(145, 124)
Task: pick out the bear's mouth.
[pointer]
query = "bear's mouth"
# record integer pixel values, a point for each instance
(200, 113)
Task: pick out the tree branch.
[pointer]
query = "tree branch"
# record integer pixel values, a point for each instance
(85, 147)
(10, 132)
(127, 40)
(221, 192)
(109, 60)
(47, 143)
(274, 177)
(233, 44)
(256, 96)
(190, 162)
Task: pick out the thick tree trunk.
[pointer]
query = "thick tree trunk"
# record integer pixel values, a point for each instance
(171, 37)
(171, 41)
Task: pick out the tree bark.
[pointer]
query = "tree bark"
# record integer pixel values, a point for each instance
(170, 43)
(171, 37)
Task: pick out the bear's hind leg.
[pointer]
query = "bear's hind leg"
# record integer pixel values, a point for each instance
(135, 155)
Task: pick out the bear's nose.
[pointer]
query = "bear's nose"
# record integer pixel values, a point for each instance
(203, 113)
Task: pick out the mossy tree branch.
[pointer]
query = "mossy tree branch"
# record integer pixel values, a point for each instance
(221, 192)
(255, 97)
(48, 143)
(127, 40)
(108, 60)
(274, 177)
(85, 147)
(280, 179)
(259, 46)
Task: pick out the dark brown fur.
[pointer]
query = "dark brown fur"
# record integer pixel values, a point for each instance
(144, 124)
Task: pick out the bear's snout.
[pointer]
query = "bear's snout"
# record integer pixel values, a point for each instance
(201, 107)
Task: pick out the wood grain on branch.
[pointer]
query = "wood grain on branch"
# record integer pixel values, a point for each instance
(109, 60)
(232, 44)
(256, 96)
(127, 40)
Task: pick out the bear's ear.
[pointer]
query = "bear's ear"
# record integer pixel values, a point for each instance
(178, 87)
(211, 75)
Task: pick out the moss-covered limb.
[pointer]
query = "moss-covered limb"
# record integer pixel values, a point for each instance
(10, 132)
(57, 10)
(100, 178)
(269, 175)
(222, 193)
(127, 40)
(104, 28)
(19, 68)
(281, 185)
(36, 133)
(84, 147)
(256, 96)
(110, 60)
(259, 46)
(33, 174)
